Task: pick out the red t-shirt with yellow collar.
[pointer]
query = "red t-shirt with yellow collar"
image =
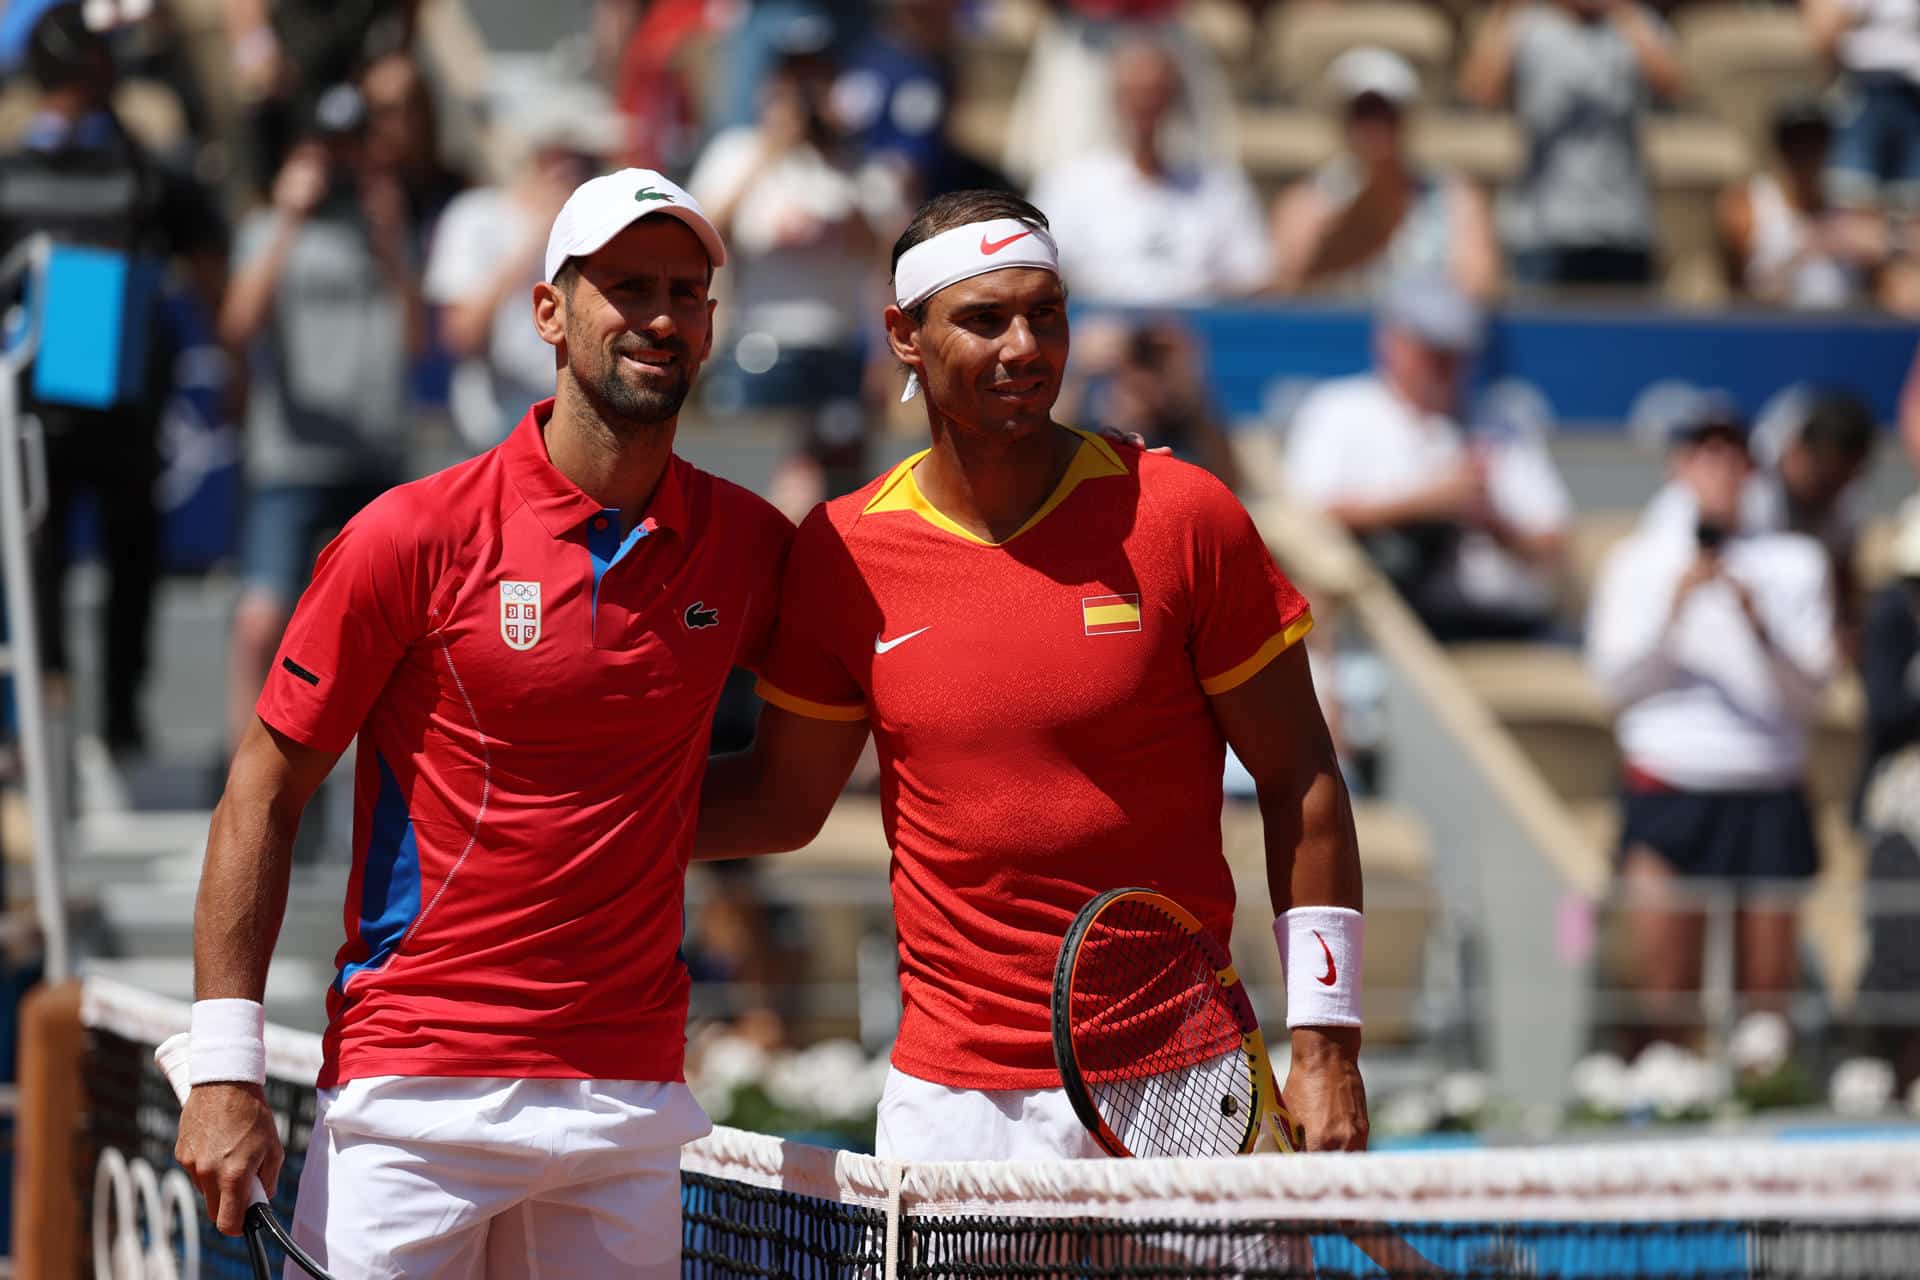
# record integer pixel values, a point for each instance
(1040, 707)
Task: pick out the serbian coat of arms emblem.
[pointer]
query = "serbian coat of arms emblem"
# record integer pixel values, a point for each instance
(519, 613)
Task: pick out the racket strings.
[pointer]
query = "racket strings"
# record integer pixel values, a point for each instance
(1158, 1038)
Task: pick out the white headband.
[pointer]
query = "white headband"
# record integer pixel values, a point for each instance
(966, 252)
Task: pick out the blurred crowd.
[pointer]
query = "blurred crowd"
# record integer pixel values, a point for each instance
(356, 214)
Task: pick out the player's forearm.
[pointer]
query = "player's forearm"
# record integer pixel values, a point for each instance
(742, 815)
(251, 291)
(243, 896)
(1313, 855)
(1361, 516)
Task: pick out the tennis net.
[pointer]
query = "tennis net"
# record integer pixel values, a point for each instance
(760, 1207)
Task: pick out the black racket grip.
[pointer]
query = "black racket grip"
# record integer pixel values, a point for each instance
(263, 1225)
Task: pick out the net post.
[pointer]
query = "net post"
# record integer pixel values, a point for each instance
(46, 1203)
(896, 1177)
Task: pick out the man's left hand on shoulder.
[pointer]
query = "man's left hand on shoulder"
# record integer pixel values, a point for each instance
(1131, 439)
(1324, 1092)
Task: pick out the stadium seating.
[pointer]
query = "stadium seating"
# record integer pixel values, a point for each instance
(1741, 59)
(1301, 39)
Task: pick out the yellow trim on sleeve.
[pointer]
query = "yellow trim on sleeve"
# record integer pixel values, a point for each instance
(802, 707)
(1234, 677)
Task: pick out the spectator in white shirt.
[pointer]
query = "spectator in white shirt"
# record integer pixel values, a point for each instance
(1715, 646)
(805, 224)
(1137, 226)
(1782, 242)
(1371, 215)
(1811, 447)
(1468, 518)
(486, 255)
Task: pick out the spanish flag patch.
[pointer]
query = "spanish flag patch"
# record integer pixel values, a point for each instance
(1110, 615)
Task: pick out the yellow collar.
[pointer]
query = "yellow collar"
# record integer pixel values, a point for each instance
(900, 492)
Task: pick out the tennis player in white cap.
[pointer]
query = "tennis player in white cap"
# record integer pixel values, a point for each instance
(529, 647)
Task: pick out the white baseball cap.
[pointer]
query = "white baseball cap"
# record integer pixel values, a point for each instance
(1369, 69)
(601, 208)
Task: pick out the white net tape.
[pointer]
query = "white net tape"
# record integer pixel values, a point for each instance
(1651, 1182)
(1708, 1180)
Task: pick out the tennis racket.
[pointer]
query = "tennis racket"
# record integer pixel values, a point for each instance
(261, 1224)
(1155, 1038)
(1161, 1053)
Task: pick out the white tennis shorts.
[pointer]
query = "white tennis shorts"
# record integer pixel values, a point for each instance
(920, 1120)
(485, 1179)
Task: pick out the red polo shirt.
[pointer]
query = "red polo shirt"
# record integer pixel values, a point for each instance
(533, 695)
(1042, 710)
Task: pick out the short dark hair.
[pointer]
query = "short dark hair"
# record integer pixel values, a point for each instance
(957, 209)
(63, 50)
(567, 276)
(1838, 424)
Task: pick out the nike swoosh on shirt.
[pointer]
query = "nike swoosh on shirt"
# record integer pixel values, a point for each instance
(887, 646)
(994, 246)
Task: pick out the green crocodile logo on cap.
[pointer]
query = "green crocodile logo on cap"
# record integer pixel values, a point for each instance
(645, 194)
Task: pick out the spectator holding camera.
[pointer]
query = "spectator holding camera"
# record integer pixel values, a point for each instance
(1714, 646)
(804, 222)
(79, 177)
(325, 309)
(1810, 449)
(1782, 242)
(486, 259)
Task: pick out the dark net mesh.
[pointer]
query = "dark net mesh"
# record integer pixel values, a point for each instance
(729, 1229)
(131, 1109)
(758, 1225)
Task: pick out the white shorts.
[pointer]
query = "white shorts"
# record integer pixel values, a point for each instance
(921, 1120)
(484, 1179)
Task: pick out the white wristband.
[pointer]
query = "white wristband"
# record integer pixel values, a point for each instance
(229, 1042)
(1320, 951)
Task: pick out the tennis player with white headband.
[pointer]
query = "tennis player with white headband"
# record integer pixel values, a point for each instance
(1054, 641)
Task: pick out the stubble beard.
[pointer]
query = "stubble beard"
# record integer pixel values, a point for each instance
(630, 410)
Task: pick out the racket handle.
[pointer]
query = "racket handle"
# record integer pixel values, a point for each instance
(173, 1057)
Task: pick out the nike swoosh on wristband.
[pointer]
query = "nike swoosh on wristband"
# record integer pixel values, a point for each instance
(1332, 973)
(991, 247)
(887, 646)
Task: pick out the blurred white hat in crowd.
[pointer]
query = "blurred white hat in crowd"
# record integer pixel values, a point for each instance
(1370, 69)
(1434, 310)
(601, 208)
(571, 116)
